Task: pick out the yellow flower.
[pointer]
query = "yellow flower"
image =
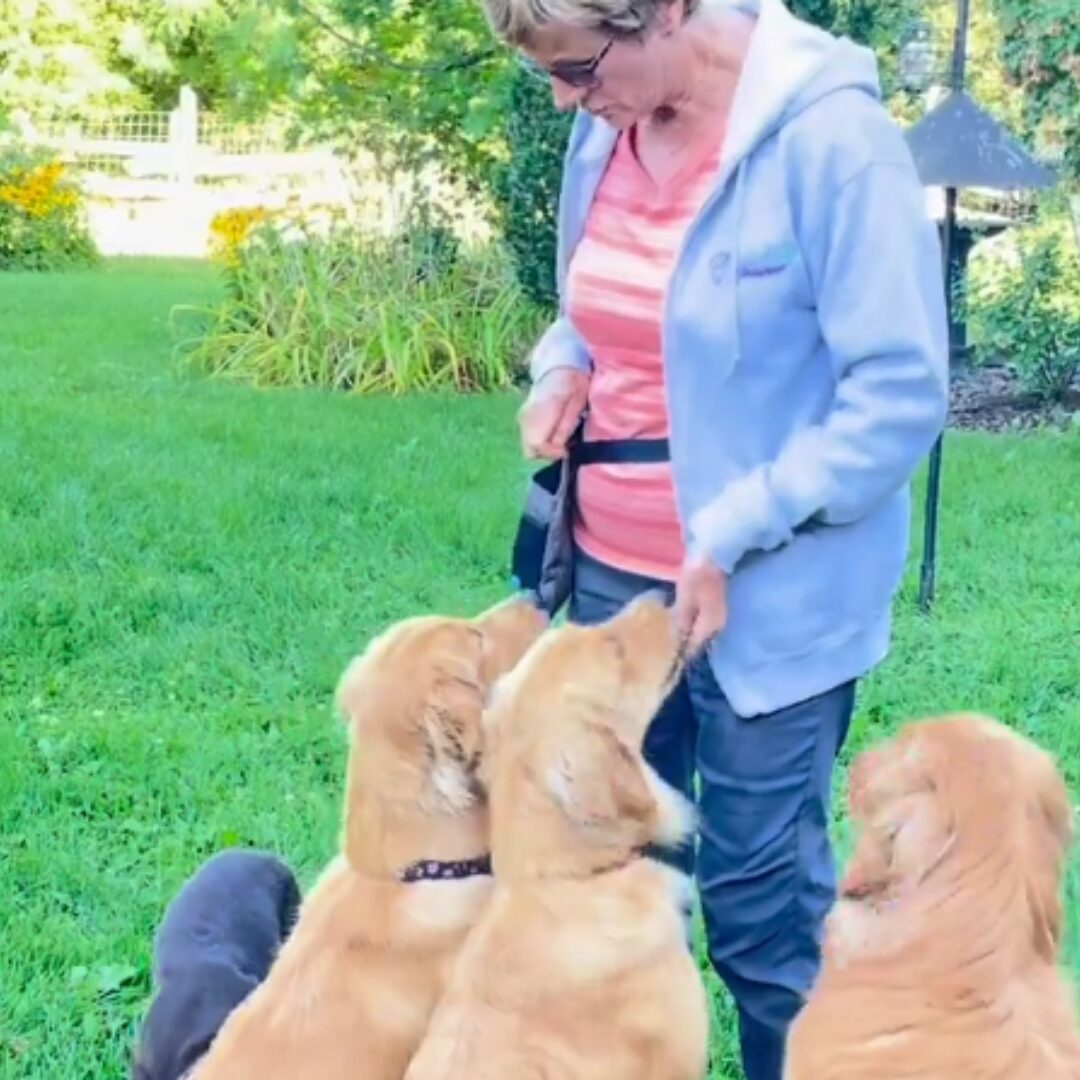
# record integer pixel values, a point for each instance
(230, 228)
(40, 191)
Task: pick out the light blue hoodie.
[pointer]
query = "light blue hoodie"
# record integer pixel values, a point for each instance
(805, 359)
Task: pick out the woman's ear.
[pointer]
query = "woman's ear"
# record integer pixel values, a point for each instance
(670, 17)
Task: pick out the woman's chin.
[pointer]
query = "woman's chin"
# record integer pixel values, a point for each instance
(616, 117)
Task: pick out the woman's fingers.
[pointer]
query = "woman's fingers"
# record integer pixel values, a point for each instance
(549, 416)
(700, 604)
(566, 421)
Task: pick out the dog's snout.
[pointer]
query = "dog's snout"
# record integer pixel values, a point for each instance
(653, 598)
(532, 597)
(658, 595)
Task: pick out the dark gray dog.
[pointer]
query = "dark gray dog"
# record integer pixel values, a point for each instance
(215, 945)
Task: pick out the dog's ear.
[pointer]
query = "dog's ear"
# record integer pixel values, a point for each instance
(1056, 808)
(349, 694)
(1048, 848)
(451, 726)
(911, 838)
(451, 720)
(596, 779)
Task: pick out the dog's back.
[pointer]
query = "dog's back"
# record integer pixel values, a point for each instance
(216, 943)
(941, 957)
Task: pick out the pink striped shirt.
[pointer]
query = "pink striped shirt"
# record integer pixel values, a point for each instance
(617, 283)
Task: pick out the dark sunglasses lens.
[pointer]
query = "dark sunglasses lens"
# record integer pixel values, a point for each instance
(572, 76)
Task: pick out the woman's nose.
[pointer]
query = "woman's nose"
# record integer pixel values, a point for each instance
(565, 96)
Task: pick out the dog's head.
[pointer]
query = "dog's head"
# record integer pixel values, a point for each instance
(185, 1016)
(414, 699)
(570, 791)
(944, 798)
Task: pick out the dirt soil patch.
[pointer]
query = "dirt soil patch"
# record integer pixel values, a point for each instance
(990, 398)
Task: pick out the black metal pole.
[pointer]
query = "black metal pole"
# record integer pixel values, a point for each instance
(928, 571)
(959, 55)
(933, 476)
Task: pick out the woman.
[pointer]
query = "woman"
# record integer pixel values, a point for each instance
(745, 268)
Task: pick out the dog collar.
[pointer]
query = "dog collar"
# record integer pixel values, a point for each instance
(437, 870)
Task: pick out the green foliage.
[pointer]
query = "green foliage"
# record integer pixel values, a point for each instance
(1023, 300)
(986, 77)
(1042, 53)
(527, 189)
(42, 214)
(876, 23)
(414, 83)
(64, 57)
(346, 311)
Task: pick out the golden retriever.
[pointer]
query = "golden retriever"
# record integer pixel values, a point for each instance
(352, 990)
(940, 956)
(579, 967)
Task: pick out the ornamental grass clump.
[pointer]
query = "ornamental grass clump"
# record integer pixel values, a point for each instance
(340, 308)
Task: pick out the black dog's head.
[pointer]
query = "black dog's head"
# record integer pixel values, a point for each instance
(215, 944)
(185, 1017)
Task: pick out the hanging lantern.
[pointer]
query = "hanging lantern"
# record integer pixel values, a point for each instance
(917, 57)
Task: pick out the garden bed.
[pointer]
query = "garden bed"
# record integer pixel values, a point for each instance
(990, 397)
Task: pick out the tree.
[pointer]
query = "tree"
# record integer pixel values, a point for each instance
(66, 57)
(527, 188)
(412, 81)
(876, 23)
(1042, 54)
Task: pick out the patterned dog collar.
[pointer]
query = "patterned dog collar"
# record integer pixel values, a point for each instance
(434, 870)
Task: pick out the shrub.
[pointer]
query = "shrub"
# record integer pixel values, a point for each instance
(343, 310)
(527, 189)
(1023, 303)
(42, 214)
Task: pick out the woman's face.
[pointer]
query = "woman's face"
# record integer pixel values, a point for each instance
(626, 84)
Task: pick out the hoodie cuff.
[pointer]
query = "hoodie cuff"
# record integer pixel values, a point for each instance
(740, 519)
(560, 347)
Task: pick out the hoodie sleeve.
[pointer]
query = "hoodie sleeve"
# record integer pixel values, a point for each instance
(875, 262)
(559, 346)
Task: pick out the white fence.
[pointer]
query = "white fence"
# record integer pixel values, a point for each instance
(155, 180)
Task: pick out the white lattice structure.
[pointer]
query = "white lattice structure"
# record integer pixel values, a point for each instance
(155, 180)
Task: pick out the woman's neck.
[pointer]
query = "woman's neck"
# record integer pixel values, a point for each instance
(705, 61)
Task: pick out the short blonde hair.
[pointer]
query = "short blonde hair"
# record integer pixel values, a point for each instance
(515, 21)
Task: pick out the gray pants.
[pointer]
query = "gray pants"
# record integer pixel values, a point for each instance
(764, 864)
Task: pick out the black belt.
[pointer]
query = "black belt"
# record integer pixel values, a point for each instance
(619, 452)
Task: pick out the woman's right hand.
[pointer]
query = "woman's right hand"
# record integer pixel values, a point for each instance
(552, 411)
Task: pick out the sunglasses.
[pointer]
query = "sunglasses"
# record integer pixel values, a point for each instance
(580, 74)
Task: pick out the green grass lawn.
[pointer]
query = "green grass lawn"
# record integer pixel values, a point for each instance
(187, 567)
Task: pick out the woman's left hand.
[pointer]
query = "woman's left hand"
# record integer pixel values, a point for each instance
(700, 602)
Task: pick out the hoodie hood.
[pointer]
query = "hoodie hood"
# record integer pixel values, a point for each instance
(789, 66)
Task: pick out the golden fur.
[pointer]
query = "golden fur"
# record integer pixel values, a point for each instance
(352, 991)
(940, 957)
(579, 966)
